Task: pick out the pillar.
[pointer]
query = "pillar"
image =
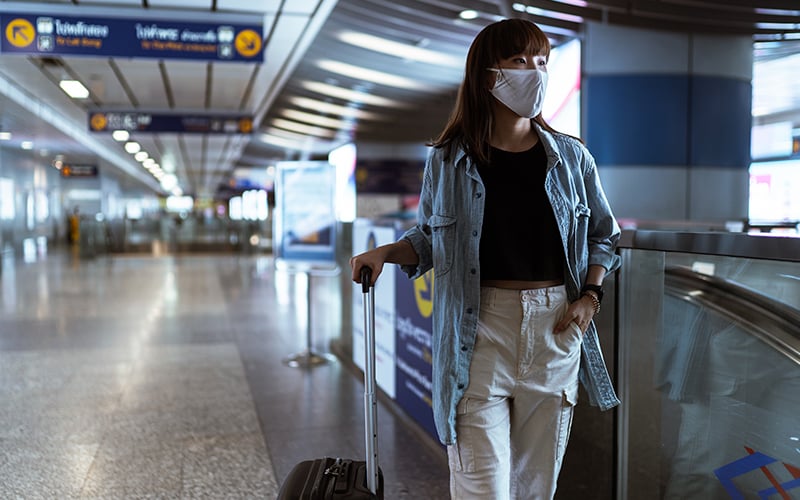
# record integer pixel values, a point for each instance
(667, 116)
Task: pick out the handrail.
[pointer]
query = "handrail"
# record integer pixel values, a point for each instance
(773, 322)
(754, 246)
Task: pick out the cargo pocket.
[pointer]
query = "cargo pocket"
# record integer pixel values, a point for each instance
(569, 398)
(443, 234)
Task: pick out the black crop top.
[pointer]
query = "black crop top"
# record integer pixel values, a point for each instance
(520, 238)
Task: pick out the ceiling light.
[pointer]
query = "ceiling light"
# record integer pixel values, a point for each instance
(351, 95)
(313, 119)
(333, 109)
(371, 75)
(121, 135)
(132, 147)
(285, 134)
(141, 156)
(281, 141)
(148, 163)
(468, 14)
(536, 11)
(303, 129)
(402, 50)
(26, 145)
(5, 136)
(74, 89)
(169, 181)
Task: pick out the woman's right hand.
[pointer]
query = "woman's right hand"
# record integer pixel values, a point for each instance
(373, 259)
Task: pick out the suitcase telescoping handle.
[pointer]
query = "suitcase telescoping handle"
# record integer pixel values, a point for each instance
(370, 400)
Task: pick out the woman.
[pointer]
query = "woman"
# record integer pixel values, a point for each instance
(514, 222)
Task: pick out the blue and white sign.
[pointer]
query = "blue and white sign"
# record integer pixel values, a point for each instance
(56, 34)
(194, 123)
(367, 236)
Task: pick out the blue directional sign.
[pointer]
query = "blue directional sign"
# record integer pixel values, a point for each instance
(56, 34)
(187, 123)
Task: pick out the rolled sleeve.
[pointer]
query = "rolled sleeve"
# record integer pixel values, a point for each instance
(604, 231)
(421, 244)
(419, 236)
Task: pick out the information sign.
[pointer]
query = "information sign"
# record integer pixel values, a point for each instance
(135, 121)
(79, 171)
(414, 347)
(56, 34)
(367, 236)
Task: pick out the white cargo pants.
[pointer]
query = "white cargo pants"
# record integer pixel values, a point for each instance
(513, 422)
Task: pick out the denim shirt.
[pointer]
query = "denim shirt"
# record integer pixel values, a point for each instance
(447, 237)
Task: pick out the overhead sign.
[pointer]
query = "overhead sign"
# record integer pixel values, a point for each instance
(79, 171)
(134, 121)
(35, 34)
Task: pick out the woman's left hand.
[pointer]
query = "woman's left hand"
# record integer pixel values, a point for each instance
(580, 312)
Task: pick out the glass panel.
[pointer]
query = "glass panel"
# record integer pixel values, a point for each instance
(709, 410)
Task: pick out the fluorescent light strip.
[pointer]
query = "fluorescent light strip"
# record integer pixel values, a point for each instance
(536, 11)
(121, 135)
(322, 121)
(351, 95)
(280, 141)
(370, 75)
(5, 136)
(74, 89)
(398, 49)
(333, 109)
(303, 129)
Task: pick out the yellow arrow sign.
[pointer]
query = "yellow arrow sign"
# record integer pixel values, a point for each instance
(20, 33)
(248, 43)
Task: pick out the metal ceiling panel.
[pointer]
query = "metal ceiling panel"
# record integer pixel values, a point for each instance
(143, 78)
(270, 6)
(109, 3)
(99, 77)
(229, 83)
(181, 4)
(188, 81)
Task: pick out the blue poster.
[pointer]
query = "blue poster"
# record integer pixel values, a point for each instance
(413, 348)
(56, 34)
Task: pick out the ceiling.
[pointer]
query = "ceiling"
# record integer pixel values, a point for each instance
(311, 47)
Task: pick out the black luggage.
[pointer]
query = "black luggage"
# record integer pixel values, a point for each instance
(337, 478)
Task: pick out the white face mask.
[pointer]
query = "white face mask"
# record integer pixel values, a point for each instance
(522, 90)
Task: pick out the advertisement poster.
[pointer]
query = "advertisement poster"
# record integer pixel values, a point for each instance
(414, 348)
(367, 236)
(305, 224)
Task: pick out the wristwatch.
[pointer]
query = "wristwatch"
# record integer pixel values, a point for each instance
(593, 288)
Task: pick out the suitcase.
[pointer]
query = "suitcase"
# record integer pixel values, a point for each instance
(331, 478)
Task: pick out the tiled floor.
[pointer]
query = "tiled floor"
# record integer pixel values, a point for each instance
(161, 377)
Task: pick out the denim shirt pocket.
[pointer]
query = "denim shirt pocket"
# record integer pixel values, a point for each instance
(443, 235)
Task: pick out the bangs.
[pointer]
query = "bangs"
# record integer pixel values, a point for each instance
(520, 37)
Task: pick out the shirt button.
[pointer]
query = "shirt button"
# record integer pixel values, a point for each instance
(460, 386)
(473, 270)
(469, 310)
(477, 195)
(463, 348)
(474, 233)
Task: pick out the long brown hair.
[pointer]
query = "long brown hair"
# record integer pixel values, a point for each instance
(471, 120)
